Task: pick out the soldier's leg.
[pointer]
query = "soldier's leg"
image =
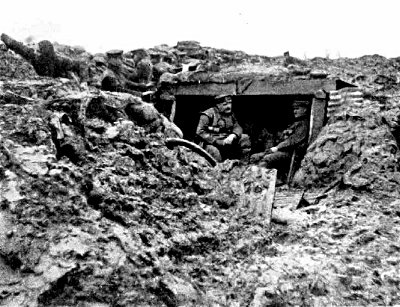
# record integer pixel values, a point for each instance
(214, 152)
(276, 160)
(245, 145)
(239, 149)
(279, 161)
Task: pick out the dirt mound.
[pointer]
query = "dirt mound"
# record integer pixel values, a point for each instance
(13, 66)
(357, 149)
(100, 210)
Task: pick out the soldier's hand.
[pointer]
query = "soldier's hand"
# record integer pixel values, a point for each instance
(219, 142)
(213, 129)
(254, 158)
(273, 149)
(229, 139)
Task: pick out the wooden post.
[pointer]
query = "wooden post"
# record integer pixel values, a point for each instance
(317, 115)
(173, 111)
(292, 168)
(270, 196)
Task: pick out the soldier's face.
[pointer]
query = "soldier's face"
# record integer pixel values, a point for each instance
(299, 112)
(225, 107)
(114, 64)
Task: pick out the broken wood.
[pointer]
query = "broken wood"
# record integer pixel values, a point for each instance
(303, 202)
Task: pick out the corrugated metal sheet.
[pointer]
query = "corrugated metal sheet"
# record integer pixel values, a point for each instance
(344, 96)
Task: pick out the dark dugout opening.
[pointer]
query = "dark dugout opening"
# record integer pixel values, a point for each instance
(262, 117)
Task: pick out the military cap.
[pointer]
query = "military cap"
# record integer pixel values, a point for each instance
(220, 98)
(114, 53)
(300, 104)
(140, 53)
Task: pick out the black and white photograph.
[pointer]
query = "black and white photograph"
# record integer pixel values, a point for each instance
(205, 153)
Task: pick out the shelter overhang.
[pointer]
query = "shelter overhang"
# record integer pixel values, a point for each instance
(255, 87)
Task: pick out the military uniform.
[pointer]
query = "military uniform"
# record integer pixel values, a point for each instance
(120, 77)
(144, 70)
(297, 139)
(214, 127)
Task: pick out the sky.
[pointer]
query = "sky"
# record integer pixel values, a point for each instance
(305, 28)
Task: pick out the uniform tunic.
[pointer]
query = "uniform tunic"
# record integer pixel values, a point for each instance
(214, 127)
(297, 140)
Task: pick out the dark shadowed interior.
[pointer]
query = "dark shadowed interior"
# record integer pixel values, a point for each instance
(256, 114)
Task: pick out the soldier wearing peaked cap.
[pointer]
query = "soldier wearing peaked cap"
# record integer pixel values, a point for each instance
(119, 77)
(115, 53)
(220, 133)
(279, 156)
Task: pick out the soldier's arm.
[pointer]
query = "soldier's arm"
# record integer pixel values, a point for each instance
(299, 136)
(202, 130)
(136, 86)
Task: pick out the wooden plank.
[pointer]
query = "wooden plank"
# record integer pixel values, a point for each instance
(317, 118)
(205, 89)
(255, 87)
(261, 192)
(292, 87)
(270, 197)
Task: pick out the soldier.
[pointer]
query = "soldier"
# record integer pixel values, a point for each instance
(220, 133)
(45, 61)
(280, 155)
(113, 79)
(143, 66)
(120, 77)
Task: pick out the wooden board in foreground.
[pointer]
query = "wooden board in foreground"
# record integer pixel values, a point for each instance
(261, 192)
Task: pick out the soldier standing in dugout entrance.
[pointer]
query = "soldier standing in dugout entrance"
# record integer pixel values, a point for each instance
(279, 156)
(220, 133)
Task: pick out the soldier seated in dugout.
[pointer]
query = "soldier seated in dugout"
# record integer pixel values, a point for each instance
(220, 133)
(296, 138)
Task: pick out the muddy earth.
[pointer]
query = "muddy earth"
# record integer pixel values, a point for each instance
(97, 210)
